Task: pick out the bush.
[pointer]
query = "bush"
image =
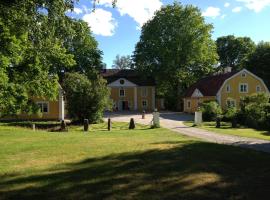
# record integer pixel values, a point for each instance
(210, 110)
(86, 99)
(231, 115)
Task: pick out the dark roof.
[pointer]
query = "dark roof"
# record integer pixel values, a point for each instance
(210, 85)
(112, 75)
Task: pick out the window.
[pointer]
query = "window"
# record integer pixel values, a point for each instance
(122, 82)
(228, 88)
(121, 92)
(43, 106)
(243, 88)
(144, 104)
(258, 88)
(188, 104)
(144, 92)
(243, 74)
(231, 103)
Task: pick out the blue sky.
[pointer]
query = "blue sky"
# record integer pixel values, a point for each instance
(117, 30)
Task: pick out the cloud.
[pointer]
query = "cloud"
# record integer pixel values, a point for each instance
(101, 22)
(77, 11)
(223, 16)
(255, 5)
(237, 9)
(140, 10)
(211, 12)
(227, 4)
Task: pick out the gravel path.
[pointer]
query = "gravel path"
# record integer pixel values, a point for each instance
(174, 122)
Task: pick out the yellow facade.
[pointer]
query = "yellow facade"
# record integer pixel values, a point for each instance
(234, 93)
(192, 104)
(134, 98)
(239, 85)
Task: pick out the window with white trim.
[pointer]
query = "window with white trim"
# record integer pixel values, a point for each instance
(43, 106)
(231, 103)
(243, 87)
(188, 104)
(258, 88)
(144, 92)
(144, 103)
(121, 92)
(228, 88)
(243, 75)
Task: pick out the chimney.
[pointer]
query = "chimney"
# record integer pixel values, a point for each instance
(227, 70)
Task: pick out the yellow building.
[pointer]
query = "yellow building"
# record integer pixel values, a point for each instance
(129, 91)
(226, 89)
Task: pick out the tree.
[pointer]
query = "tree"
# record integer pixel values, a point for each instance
(176, 48)
(259, 62)
(122, 62)
(86, 99)
(234, 51)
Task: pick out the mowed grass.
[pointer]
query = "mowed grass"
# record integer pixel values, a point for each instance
(126, 164)
(227, 129)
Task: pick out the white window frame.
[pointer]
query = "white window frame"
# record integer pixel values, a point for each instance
(120, 92)
(42, 103)
(258, 87)
(243, 74)
(228, 86)
(144, 92)
(188, 104)
(230, 102)
(240, 84)
(146, 106)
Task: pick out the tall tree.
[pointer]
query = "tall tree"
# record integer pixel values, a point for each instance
(259, 62)
(234, 51)
(123, 62)
(176, 48)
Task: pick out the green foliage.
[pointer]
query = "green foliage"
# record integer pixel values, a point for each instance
(123, 62)
(255, 111)
(234, 51)
(86, 99)
(230, 113)
(210, 110)
(259, 62)
(175, 44)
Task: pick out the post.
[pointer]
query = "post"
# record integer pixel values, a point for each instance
(143, 114)
(86, 125)
(131, 124)
(63, 125)
(218, 122)
(34, 127)
(109, 124)
(156, 123)
(198, 118)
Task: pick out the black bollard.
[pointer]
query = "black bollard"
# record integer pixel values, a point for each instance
(218, 122)
(63, 126)
(109, 124)
(143, 114)
(234, 122)
(132, 124)
(85, 125)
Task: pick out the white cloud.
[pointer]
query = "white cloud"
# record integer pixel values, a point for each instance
(223, 16)
(140, 10)
(77, 11)
(227, 4)
(211, 12)
(237, 9)
(101, 22)
(255, 5)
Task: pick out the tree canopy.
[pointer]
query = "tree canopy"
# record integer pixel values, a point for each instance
(123, 62)
(259, 62)
(176, 48)
(234, 51)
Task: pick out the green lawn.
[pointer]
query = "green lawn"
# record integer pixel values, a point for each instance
(226, 129)
(122, 164)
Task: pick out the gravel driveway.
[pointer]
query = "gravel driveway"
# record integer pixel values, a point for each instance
(174, 121)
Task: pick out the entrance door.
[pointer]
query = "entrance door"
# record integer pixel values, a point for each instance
(124, 105)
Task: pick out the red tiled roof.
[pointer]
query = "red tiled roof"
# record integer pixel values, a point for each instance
(112, 75)
(210, 85)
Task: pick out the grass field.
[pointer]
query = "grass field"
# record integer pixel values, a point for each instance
(226, 129)
(126, 164)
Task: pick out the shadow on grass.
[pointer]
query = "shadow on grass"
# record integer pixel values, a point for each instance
(193, 170)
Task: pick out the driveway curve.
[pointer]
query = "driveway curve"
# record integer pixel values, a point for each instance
(174, 121)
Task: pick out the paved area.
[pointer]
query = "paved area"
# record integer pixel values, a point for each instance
(174, 121)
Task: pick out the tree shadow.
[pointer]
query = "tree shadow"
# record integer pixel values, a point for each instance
(193, 170)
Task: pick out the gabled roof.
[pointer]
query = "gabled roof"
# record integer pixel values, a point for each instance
(112, 75)
(209, 86)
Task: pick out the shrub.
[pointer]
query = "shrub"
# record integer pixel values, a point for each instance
(210, 110)
(86, 99)
(231, 115)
